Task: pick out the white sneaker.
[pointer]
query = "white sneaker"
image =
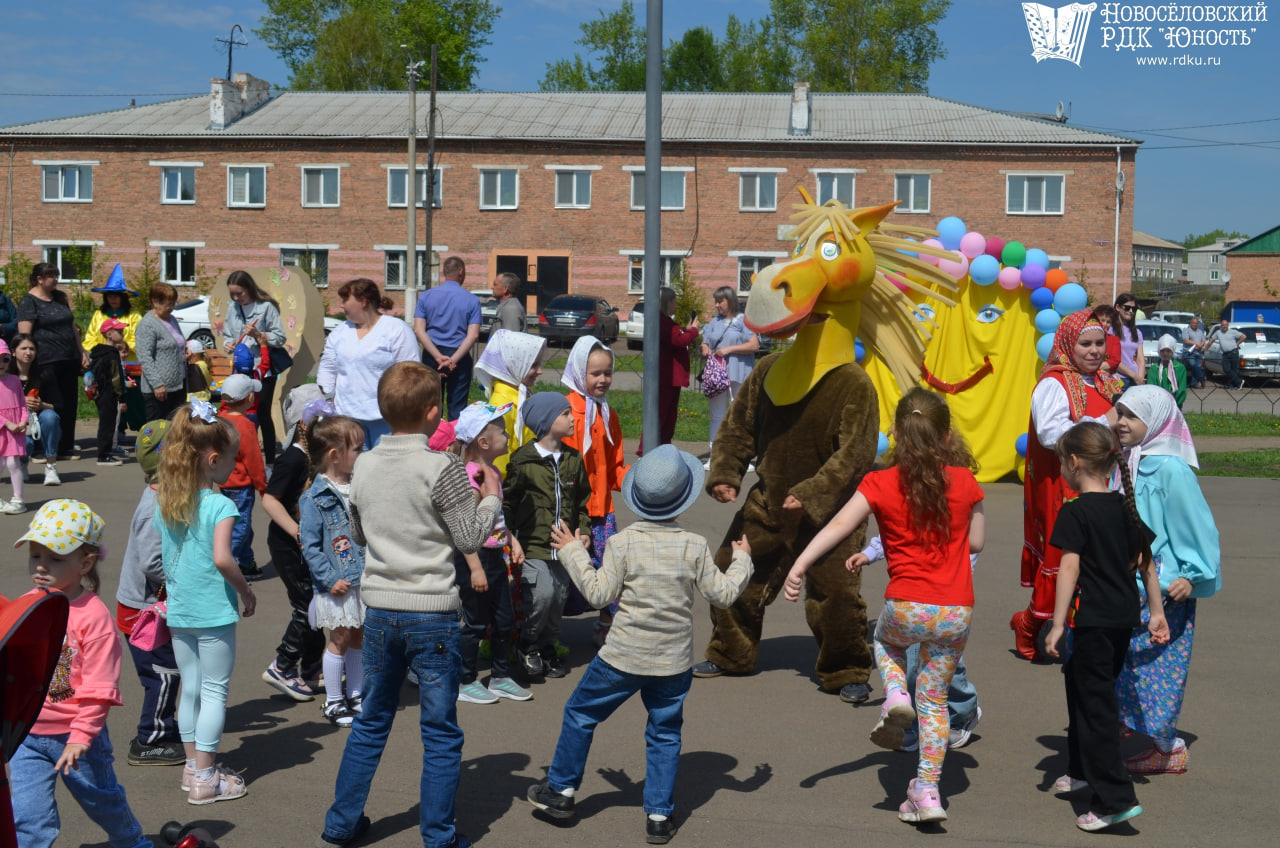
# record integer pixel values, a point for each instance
(51, 477)
(706, 466)
(960, 736)
(13, 507)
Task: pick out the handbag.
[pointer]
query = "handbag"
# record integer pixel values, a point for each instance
(33, 428)
(281, 360)
(715, 377)
(150, 630)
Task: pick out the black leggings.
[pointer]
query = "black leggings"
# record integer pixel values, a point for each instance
(60, 386)
(266, 423)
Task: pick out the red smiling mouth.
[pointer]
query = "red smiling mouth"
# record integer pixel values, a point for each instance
(964, 385)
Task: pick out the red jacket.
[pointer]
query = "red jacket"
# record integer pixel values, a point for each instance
(250, 470)
(673, 351)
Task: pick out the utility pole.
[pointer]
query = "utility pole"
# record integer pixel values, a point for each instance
(652, 273)
(410, 266)
(429, 200)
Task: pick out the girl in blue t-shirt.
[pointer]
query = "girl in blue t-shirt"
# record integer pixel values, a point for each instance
(202, 581)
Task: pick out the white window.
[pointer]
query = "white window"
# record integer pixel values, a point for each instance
(397, 191)
(68, 183)
(320, 186)
(672, 191)
(669, 267)
(1034, 194)
(74, 261)
(315, 261)
(1213, 260)
(758, 192)
(836, 184)
(573, 189)
(912, 192)
(247, 185)
(178, 265)
(499, 188)
(178, 184)
(748, 267)
(1213, 276)
(394, 264)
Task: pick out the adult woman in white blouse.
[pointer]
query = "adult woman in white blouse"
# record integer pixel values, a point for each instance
(357, 353)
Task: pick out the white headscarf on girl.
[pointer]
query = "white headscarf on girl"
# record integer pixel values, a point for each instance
(510, 356)
(1167, 431)
(575, 377)
(1167, 343)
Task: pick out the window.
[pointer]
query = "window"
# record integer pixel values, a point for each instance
(397, 191)
(672, 190)
(247, 185)
(499, 189)
(758, 192)
(573, 189)
(74, 261)
(320, 186)
(1033, 195)
(178, 265)
(312, 260)
(748, 267)
(68, 183)
(178, 185)
(394, 264)
(1213, 260)
(669, 267)
(1213, 276)
(835, 184)
(912, 192)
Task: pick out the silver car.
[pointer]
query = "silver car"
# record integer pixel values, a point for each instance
(1259, 351)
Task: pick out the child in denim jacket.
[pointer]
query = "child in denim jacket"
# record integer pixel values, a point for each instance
(336, 562)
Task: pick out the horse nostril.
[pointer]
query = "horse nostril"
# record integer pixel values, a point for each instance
(783, 285)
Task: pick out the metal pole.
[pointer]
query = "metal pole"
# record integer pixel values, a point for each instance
(410, 266)
(652, 274)
(428, 201)
(1115, 246)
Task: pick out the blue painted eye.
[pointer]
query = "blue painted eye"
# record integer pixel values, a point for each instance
(989, 314)
(926, 310)
(830, 250)
(799, 249)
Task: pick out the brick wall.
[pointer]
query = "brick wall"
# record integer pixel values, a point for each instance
(1250, 272)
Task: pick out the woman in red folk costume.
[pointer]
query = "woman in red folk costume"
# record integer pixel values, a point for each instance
(1071, 389)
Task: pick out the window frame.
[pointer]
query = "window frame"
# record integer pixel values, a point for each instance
(83, 170)
(760, 259)
(498, 205)
(388, 253)
(906, 204)
(575, 202)
(758, 176)
(851, 173)
(290, 254)
(248, 202)
(637, 181)
(1026, 177)
(176, 280)
(671, 262)
(58, 260)
(437, 186)
(322, 170)
(165, 200)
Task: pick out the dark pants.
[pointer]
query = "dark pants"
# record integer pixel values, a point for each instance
(456, 383)
(480, 609)
(60, 386)
(1194, 360)
(668, 412)
(108, 414)
(1231, 367)
(158, 674)
(158, 409)
(1093, 725)
(301, 646)
(266, 423)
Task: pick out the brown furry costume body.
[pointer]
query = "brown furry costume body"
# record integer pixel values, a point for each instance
(816, 449)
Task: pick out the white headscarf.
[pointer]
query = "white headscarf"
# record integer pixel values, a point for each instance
(1167, 343)
(575, 377)
(510, 356)
(1167, 431)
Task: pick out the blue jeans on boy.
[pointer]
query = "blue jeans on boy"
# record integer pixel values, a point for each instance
(158, 674)
(93, 785)
(395, 641)
(242, 532)
(962, 696)
(602, 690)
(50, 433)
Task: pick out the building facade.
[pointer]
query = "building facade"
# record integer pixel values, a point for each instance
(1255, 267)
(1207, 265)
(1156, 260)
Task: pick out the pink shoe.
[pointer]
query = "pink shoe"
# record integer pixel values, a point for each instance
(1155, 761)
(923, 804)
(188, 775)
(895, 717)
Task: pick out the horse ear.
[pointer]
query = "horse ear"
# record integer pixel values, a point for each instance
(869, 218)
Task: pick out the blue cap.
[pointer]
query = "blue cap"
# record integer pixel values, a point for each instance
(242, 360)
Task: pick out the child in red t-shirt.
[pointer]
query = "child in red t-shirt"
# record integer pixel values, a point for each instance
(249, 478)
(928, 507)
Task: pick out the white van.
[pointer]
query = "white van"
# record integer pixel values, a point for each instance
(1182, 319)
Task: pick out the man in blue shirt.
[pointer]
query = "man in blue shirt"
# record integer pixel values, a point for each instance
(447, 323)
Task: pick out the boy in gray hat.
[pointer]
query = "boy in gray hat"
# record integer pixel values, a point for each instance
(654, 568)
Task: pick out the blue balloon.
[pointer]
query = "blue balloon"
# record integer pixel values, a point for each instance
(911, 253)
(859, 351)
(1042, 298)
(1044, 346)
(882, 444)
(1070, 298)
(984, 270)
(1047, 320)
(1036, 256)
(950, 231)
(1021, 445)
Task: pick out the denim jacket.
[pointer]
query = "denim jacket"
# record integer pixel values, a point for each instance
(328, 543)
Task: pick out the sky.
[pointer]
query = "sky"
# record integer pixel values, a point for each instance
(1211, 131)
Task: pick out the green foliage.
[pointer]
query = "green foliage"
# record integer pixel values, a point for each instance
(144, 278)
(693, 63)
(620, 47)
(1233, 424)
(1256, 463)
(752, 59)
(691, 299)
(1192, 241)
(17, 275)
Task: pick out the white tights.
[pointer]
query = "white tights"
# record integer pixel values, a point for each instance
(14, 464)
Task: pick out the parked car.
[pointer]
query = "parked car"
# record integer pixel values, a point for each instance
(488, 310)
(571, 316)
(1151, 332)
(635, 326)
(1259, 351)
(193, 319)
(1182, 319)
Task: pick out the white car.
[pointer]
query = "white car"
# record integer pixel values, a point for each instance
(193, 318)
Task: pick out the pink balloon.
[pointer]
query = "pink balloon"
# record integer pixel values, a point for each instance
(973, 245)
(956, 269)
(1010, 278)
(897, 281)
(932, 260)
(995, 246)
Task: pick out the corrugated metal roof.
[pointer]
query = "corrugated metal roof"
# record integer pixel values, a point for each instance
(869, 118)
(1141, 239)
(1265, 242)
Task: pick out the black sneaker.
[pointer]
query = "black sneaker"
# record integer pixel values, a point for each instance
(552, 667)
(253, 573)
(531, 663)
(707, 668)
(855, 693)
(163, 754)
(659, 832)
(550, 801)
(362, 827)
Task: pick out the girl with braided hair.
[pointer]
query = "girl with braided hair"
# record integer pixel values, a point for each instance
(1103, 542)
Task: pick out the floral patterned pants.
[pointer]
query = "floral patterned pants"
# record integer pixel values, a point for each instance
(941, 632)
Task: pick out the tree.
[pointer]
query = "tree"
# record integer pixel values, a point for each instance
(1192, 241)
(693, 63)
(620, 45)
(355, 44)
(752, 59)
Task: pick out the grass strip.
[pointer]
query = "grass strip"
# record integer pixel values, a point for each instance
(1233, 424)
(1255, 463)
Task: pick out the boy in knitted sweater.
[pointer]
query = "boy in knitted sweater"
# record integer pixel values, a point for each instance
(412, 508)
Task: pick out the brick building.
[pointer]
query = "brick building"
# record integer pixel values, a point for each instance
(1255, 268)
(547, 185)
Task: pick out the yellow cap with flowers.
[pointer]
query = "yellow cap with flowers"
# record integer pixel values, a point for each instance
(64, 525)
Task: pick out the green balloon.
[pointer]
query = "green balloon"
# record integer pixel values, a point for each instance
(1014, 254)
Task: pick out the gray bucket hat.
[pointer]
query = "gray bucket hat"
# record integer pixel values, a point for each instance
(663, 483)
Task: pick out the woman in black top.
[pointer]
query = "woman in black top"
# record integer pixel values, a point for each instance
(46, 315)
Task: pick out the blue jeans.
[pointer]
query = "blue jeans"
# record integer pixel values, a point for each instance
(50, 433)
(205, 657)
(394, 641)
(93, 785)
(374, 430)
(962, 696)
(1194, 361)
(602, 690)
(242, 531)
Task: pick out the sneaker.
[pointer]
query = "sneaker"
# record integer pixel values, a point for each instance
(290, 684)
(110, 460)
(475, 693)
(162, 754)
(38, 460)
(67, 457)
(895, 717)
(659, 832)
(923, 804)
(707, 668)
(337, 713)
(550, 801)
(13, 507)
(855, 693)
(362, 827)
(253, 573)
(751, 468)
(961, 736)
(531, 663)
(51, 477)
(552, 667)
(706, 466)
(1067, 783)
(1155, 761)
(1092, 821)
(505, 687)
(225, 786)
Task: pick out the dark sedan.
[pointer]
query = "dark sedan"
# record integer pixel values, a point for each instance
(571, 316)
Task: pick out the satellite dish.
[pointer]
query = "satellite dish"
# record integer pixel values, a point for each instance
(1058, 112)
(1226, 276)
(1119, 180)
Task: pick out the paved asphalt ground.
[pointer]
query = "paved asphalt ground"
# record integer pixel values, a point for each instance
(769, 759)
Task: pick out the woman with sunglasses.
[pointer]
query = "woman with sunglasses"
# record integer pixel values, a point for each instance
(1132, 363)
(45, 314)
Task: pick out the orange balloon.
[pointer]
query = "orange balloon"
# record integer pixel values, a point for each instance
(1056, 279)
